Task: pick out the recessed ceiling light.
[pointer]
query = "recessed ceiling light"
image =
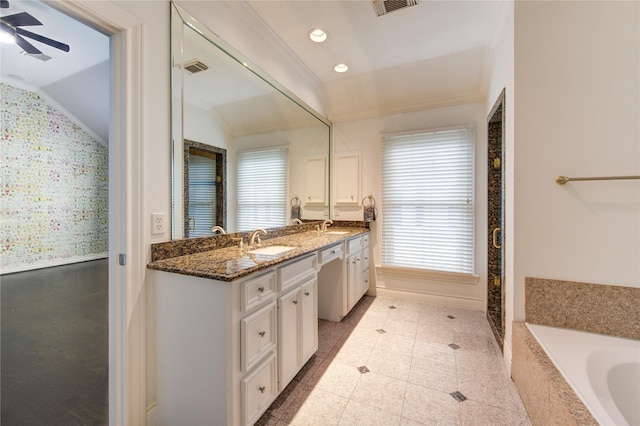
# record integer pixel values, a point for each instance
(341, 68)
(318, 35)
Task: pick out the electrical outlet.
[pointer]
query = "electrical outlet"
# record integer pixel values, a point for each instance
(325, 212)
(157, 223)
(336, 211)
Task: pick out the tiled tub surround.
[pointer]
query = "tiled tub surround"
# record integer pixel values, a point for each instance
(595, 308)
(202, 257)
(545, 393)
(394, 362)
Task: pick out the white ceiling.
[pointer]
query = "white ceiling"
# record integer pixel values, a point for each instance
(368, 43)
(87, 47)
(68, 77)
(430, 55)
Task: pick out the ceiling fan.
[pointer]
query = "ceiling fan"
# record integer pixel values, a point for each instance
(12, 24)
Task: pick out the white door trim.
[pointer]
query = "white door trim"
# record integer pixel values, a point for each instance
(127, 380)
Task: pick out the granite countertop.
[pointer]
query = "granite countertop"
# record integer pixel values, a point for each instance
(231, 263)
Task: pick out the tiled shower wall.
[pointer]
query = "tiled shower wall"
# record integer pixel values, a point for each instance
(54, 186)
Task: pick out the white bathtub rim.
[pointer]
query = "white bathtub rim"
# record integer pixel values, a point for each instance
(572, 365)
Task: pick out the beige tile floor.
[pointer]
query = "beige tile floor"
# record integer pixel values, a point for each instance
(388, 363)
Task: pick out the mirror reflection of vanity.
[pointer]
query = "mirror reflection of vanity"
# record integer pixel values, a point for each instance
(244, 149)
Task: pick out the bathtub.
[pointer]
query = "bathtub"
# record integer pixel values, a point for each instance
(604, 371)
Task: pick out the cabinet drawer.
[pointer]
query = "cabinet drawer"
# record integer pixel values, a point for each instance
(354, 245)
(293, 273)
(331, 253)
(258, 390)
(257, 336)
(256, 290)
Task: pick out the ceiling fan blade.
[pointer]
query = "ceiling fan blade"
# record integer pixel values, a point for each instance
(42, 39)
(22, 19)
(4, 4)
(26, 46)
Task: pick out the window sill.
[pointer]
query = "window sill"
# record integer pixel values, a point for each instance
(452, 277)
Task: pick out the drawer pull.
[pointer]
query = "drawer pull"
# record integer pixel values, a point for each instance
(262, 389)
(295, 302)
(306, 293)
(261, 289)
(262, 333)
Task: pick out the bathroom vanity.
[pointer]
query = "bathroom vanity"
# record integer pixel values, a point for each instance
(235, 327)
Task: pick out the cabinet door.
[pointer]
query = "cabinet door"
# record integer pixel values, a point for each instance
(364, 282)
(288, 337)
(308, 319)
(347, 178)
(354, 276)
(315, 180)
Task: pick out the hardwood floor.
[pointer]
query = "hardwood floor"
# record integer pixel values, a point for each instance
(54, 353)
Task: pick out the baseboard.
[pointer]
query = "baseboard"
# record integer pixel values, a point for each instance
(448, 301)
(52, 263)
(152, 413)
(507, 356)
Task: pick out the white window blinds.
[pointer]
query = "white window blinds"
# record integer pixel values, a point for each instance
(427, 200)
(202, 194)
(262, 188)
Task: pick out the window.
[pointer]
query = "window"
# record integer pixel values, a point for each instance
(202, 194)
(262, 188)
(427, 200)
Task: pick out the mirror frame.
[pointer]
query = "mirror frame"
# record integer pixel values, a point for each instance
(217, 42)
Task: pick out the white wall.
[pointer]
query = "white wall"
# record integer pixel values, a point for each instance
(577, 114)
(502, 77)
(363, 136)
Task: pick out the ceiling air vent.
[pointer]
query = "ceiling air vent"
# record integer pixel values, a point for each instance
(382, 7)
(193, 66)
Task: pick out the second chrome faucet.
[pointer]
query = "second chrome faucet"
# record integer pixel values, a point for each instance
(255, 237)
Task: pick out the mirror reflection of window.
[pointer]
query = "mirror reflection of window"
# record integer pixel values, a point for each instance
(262, 188)
(202, 194)
(204, 189)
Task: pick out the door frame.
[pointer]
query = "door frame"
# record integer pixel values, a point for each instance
(127, 379)
(500, 104)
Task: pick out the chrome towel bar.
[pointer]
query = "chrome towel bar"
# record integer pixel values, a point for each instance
(561, 180)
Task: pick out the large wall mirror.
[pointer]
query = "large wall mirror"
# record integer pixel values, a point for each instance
(244, 149)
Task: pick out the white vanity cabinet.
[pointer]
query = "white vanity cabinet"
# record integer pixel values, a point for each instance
(357, 269)
(297, 329)
(344, 277)
(223, 347)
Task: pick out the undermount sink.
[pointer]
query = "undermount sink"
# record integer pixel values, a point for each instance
(272, 250)
(336, 232)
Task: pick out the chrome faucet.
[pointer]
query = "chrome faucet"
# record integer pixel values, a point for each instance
(296, 221)
(218, 229)
(326, 223)
(255, 237)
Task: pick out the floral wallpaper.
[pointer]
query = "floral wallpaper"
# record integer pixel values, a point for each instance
(54, 185)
